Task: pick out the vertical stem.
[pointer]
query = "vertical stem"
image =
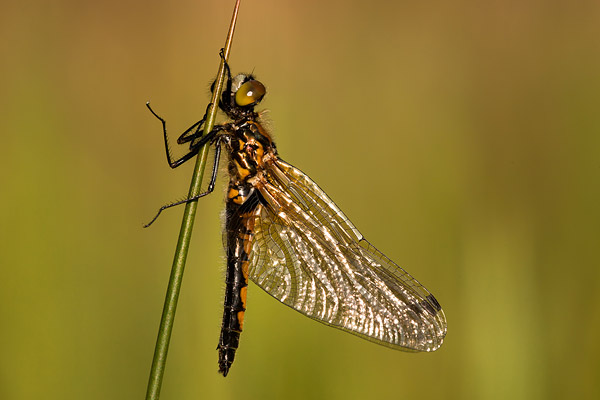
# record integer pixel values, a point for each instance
(185, 234)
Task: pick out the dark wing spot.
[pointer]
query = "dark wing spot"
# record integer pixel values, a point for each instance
(431, 305)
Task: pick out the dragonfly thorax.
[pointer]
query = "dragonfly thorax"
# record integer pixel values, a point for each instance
(249, 146)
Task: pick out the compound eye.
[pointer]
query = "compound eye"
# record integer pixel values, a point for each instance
(250, 93)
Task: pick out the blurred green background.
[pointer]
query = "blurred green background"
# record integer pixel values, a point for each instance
(462, 138)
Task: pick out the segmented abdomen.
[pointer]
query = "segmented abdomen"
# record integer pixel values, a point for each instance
(242, 206)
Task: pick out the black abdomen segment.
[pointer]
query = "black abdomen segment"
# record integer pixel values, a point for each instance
(239, 226)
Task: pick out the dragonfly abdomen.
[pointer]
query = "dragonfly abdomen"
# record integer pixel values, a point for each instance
(240, 217)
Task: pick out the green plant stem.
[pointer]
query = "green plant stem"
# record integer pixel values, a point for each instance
(185, 235)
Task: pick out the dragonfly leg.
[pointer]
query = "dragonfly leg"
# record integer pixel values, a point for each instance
(209, 190)
(189, 135)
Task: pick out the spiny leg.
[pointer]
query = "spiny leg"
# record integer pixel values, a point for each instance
(195, 147)
(211, 185)
(227, 70)
(224, 100)
(193, 132)
(187, 137)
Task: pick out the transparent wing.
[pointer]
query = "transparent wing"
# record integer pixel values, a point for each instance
(308, 255)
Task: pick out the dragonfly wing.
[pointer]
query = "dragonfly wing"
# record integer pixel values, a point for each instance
(308, 255)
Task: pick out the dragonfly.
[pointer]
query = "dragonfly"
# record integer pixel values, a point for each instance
(287, 236)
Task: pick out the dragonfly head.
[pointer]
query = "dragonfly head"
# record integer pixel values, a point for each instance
(240, 95)
(247, 91)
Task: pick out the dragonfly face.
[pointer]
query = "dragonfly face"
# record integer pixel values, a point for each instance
(287, 236)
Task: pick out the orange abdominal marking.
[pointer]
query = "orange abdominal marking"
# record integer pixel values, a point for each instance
(240, 318)
(243, 293)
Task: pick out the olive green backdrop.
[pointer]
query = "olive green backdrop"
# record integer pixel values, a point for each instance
(461, 137)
